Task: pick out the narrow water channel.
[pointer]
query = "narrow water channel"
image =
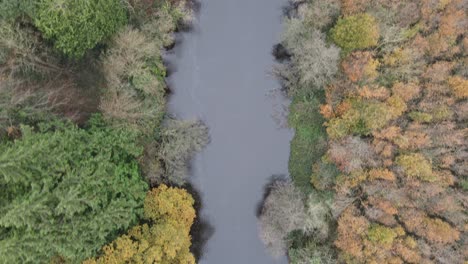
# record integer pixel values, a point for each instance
(222, 77)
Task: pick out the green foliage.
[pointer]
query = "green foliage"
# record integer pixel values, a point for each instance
(22, 107)
(12, 9)
(415, 165)
(76, 26)
(164, 239)
(311, 252)
(324, 174)
(442, 113)
(381, 234)
(464, 184)
(355, 32)
(308, 144)
(365, 116)
(420, 117)
(66, 191)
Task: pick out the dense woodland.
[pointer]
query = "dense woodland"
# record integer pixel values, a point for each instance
(379, 159)
(87, 150)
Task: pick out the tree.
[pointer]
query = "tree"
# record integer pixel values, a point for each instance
(66, 191)
(164, 203)
(360, 66)
(76, 26)
(313, 63)
(164, 239)
(283, 212)
(364, 116)
(180, 141)
(134, 96)
(355, 32)
(459, 86)
(415, 165)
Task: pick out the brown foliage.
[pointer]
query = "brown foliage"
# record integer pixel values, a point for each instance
(352, 154)
(349, 7)
(350, 227)
(360, 66)
(396, 126)
(434, 230)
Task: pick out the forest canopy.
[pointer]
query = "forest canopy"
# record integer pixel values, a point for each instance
(66, 190)
(380, 145)
(84, 133)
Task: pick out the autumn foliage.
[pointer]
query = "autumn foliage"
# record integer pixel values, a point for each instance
(395, 116)
(404, 166)
(356, 32)
(164, 239)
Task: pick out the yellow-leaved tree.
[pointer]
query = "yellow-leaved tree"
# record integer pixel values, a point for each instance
(165, 239)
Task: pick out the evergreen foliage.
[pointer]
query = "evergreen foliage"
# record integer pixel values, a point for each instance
(66, 191)
(164, 239)
(76, 26)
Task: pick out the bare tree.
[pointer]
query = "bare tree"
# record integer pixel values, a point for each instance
(283, 212)
(180, 141)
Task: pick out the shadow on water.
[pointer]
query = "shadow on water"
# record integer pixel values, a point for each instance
(201, 230)
(195, 6)
(290, 10)
(280, 53)
(267, 190)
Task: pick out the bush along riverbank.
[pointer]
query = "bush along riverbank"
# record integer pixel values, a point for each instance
(378, 162)
(87, 148)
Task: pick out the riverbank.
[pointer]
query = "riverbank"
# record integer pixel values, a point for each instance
(84, 117)
(374, 85)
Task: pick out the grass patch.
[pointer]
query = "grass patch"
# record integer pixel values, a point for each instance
(309, 142)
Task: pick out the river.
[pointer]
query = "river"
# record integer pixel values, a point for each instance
(222, 76)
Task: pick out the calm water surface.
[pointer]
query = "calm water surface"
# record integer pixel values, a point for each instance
(222, 77)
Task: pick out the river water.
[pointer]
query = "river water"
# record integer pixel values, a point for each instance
(222, 76)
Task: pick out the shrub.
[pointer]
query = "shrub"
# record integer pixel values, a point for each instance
(355, 32)
(66, 191)
(76, 26)
(164, 239)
